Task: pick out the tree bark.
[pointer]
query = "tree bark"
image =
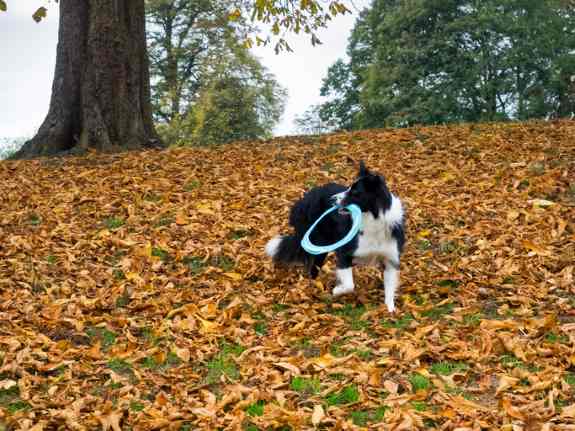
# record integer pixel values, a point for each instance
(101, 89)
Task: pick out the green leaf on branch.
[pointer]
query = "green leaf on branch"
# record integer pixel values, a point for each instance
(40, 14)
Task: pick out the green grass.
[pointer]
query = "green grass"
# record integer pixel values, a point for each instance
(113, 223)
(448, 368)
(511, 361)
(194, 264)
(165, 221)
(403, 322)
(261, 328)
(305, 386)
(419, 406)
(238, 234)
(161, 253)
(419, 382)
(256, 409)
(192, 185)
(570, 379)
(104, 336)
(346, 395)
(364, 355)
(353, 316)
(226, 263)
(438, 312)
(278, 308)
(472, 319)
(551, 337)
(222, 364)
(362, 418)
(136, 406)
(51, 259)
(34, 219)
(10, 400)
(119, 366)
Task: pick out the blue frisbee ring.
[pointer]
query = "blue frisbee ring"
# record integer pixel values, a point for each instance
(322, 249)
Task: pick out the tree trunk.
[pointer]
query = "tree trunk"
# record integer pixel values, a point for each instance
(101, 89)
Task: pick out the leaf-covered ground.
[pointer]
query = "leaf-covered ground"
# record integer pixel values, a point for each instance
(135, 293)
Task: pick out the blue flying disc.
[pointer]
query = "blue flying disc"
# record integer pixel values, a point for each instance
(322, 249)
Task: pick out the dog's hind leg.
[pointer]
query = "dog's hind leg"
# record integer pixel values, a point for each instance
(316, 265)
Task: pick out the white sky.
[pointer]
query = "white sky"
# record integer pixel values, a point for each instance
(28, 54)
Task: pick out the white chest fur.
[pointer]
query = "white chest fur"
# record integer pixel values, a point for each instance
(376, 239)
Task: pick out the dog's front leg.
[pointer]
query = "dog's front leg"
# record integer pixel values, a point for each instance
(390, 269)
(344, 275)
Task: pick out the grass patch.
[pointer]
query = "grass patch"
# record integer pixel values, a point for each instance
(419, 382)
(447, 368)
(278, 308)
(403, 322)
(256, 409)
(195, 264)
(551, 337)
(113, 223)
(136, 406)
(192, 185)
(165, 221)
(438, 312)
(261, 328)
(362, 418)
(353, 316)
(119, 366)
(419, 406)
(511, 361)
(346, 395)
(104, 336)
(239, 234)
(223, 364)
(224, 262)
(305, 386)
(570, 379)
(472, 319)
(161, 253)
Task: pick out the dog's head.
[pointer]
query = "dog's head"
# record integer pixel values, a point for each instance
(369, 191)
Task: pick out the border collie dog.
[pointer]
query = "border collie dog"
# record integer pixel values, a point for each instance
(380, 240)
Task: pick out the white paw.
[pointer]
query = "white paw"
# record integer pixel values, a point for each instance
(342, 290)
(390, 306)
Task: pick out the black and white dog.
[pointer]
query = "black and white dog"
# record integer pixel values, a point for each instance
(380, 241)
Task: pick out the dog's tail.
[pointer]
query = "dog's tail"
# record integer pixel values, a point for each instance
(287, 249)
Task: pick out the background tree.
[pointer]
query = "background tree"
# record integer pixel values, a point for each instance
(238, 100)
(182, 36)
(311, 122)
(101, 89)
(454, 60)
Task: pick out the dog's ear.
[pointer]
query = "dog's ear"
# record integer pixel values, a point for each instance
(363, 171)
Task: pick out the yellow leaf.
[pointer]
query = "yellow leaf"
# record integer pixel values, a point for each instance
(318, 414)
(112, 421)
(3, 6)
(209, 327)
(182, 218)
(233, 275)
(205, 209)
(506, 382)
(423, 233)
(535, 248)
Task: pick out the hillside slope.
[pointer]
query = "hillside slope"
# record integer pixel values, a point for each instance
(135, 291)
